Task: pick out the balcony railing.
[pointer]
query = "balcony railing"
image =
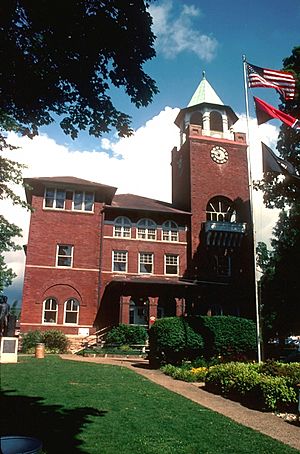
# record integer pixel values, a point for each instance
(224, 234)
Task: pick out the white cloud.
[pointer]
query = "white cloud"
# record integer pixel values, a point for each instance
(139, 164)
(179, 34)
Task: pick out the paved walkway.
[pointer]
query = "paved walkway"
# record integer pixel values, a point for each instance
(266, 423)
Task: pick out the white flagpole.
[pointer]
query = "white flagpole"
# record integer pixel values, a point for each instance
(257, 311)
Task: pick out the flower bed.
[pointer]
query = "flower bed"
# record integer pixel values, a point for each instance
(267, 386)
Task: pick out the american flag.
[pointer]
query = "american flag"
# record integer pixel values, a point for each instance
(282, 81)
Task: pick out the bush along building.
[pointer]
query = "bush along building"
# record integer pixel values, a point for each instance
(95, 259)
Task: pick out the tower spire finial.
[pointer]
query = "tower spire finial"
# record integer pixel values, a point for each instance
(203, 74)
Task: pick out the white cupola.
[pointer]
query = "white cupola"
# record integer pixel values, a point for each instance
(207, 110)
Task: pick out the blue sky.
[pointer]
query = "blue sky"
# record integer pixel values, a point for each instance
(191, 37)
(212, 36)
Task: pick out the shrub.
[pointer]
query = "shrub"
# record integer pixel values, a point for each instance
(182, 373)
(55, 341)
(233, 338)
(29, 341)
(245, 382)
(127, 335)
(171, 340)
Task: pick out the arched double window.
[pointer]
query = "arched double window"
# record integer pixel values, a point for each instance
(146, 230)
(220, 209)
(71, 311)
(170, 231)
(122, 227)
(50, 310)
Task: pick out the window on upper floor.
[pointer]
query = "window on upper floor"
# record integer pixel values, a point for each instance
(146, 230)
(146, 263)
(170, 231)
(220, 209)
(50, 311)
(55, 198)
(120, 261)
(83, 201)
(122, 227)
(171, 264)
(71, 311)
(64, 255)
(222, 265)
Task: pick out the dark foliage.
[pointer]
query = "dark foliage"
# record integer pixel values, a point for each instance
(62, 57)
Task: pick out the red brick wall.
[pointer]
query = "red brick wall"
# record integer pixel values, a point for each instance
(209, 179)
(43, 279)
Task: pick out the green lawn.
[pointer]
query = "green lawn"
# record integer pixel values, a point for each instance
(76, 407)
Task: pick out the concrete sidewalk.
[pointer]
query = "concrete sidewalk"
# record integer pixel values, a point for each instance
(266, 423)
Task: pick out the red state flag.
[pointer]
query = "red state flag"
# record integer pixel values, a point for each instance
(265, 112)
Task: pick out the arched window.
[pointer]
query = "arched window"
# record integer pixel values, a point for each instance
(220, 209)
(146, 230)
(122, 227)
(197, 119)
(71, 311)
(50, 311)
(170, 231)
(216, 121)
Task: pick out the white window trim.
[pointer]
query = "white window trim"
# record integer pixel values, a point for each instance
(165, 263)
(167, 229)
(82, 210)
(72, 255)
(113, 261)
(126, 223)
(150, 225)
(140, 263)
(65, 312)
(55, 191)
(43, 313)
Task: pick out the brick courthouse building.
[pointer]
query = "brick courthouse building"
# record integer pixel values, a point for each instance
(96, 259)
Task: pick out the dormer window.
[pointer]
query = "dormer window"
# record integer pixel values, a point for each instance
(55, 198)
(83, 201)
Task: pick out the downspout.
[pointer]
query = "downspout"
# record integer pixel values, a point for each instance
(100, 257)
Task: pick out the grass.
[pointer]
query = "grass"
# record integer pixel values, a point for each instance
(88, 408)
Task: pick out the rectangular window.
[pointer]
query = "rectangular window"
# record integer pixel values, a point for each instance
(222, 265)
(146, 263)
(55, 198)
(64, 255)
(171, 264)
(120, 261)
(83, 201)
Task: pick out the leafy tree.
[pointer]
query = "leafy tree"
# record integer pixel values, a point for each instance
(280, 284)
(7, 233)
(59, 61)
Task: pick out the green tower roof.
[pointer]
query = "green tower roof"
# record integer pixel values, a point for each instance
(205, 93)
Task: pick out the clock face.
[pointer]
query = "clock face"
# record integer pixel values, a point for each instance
(219, 155)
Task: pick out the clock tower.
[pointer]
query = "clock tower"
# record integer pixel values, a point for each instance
(210, 180)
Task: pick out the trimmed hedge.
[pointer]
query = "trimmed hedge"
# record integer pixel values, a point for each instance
(55, 341)
(171, 340)
(227, 336)
(174, 339)
(127, 335)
